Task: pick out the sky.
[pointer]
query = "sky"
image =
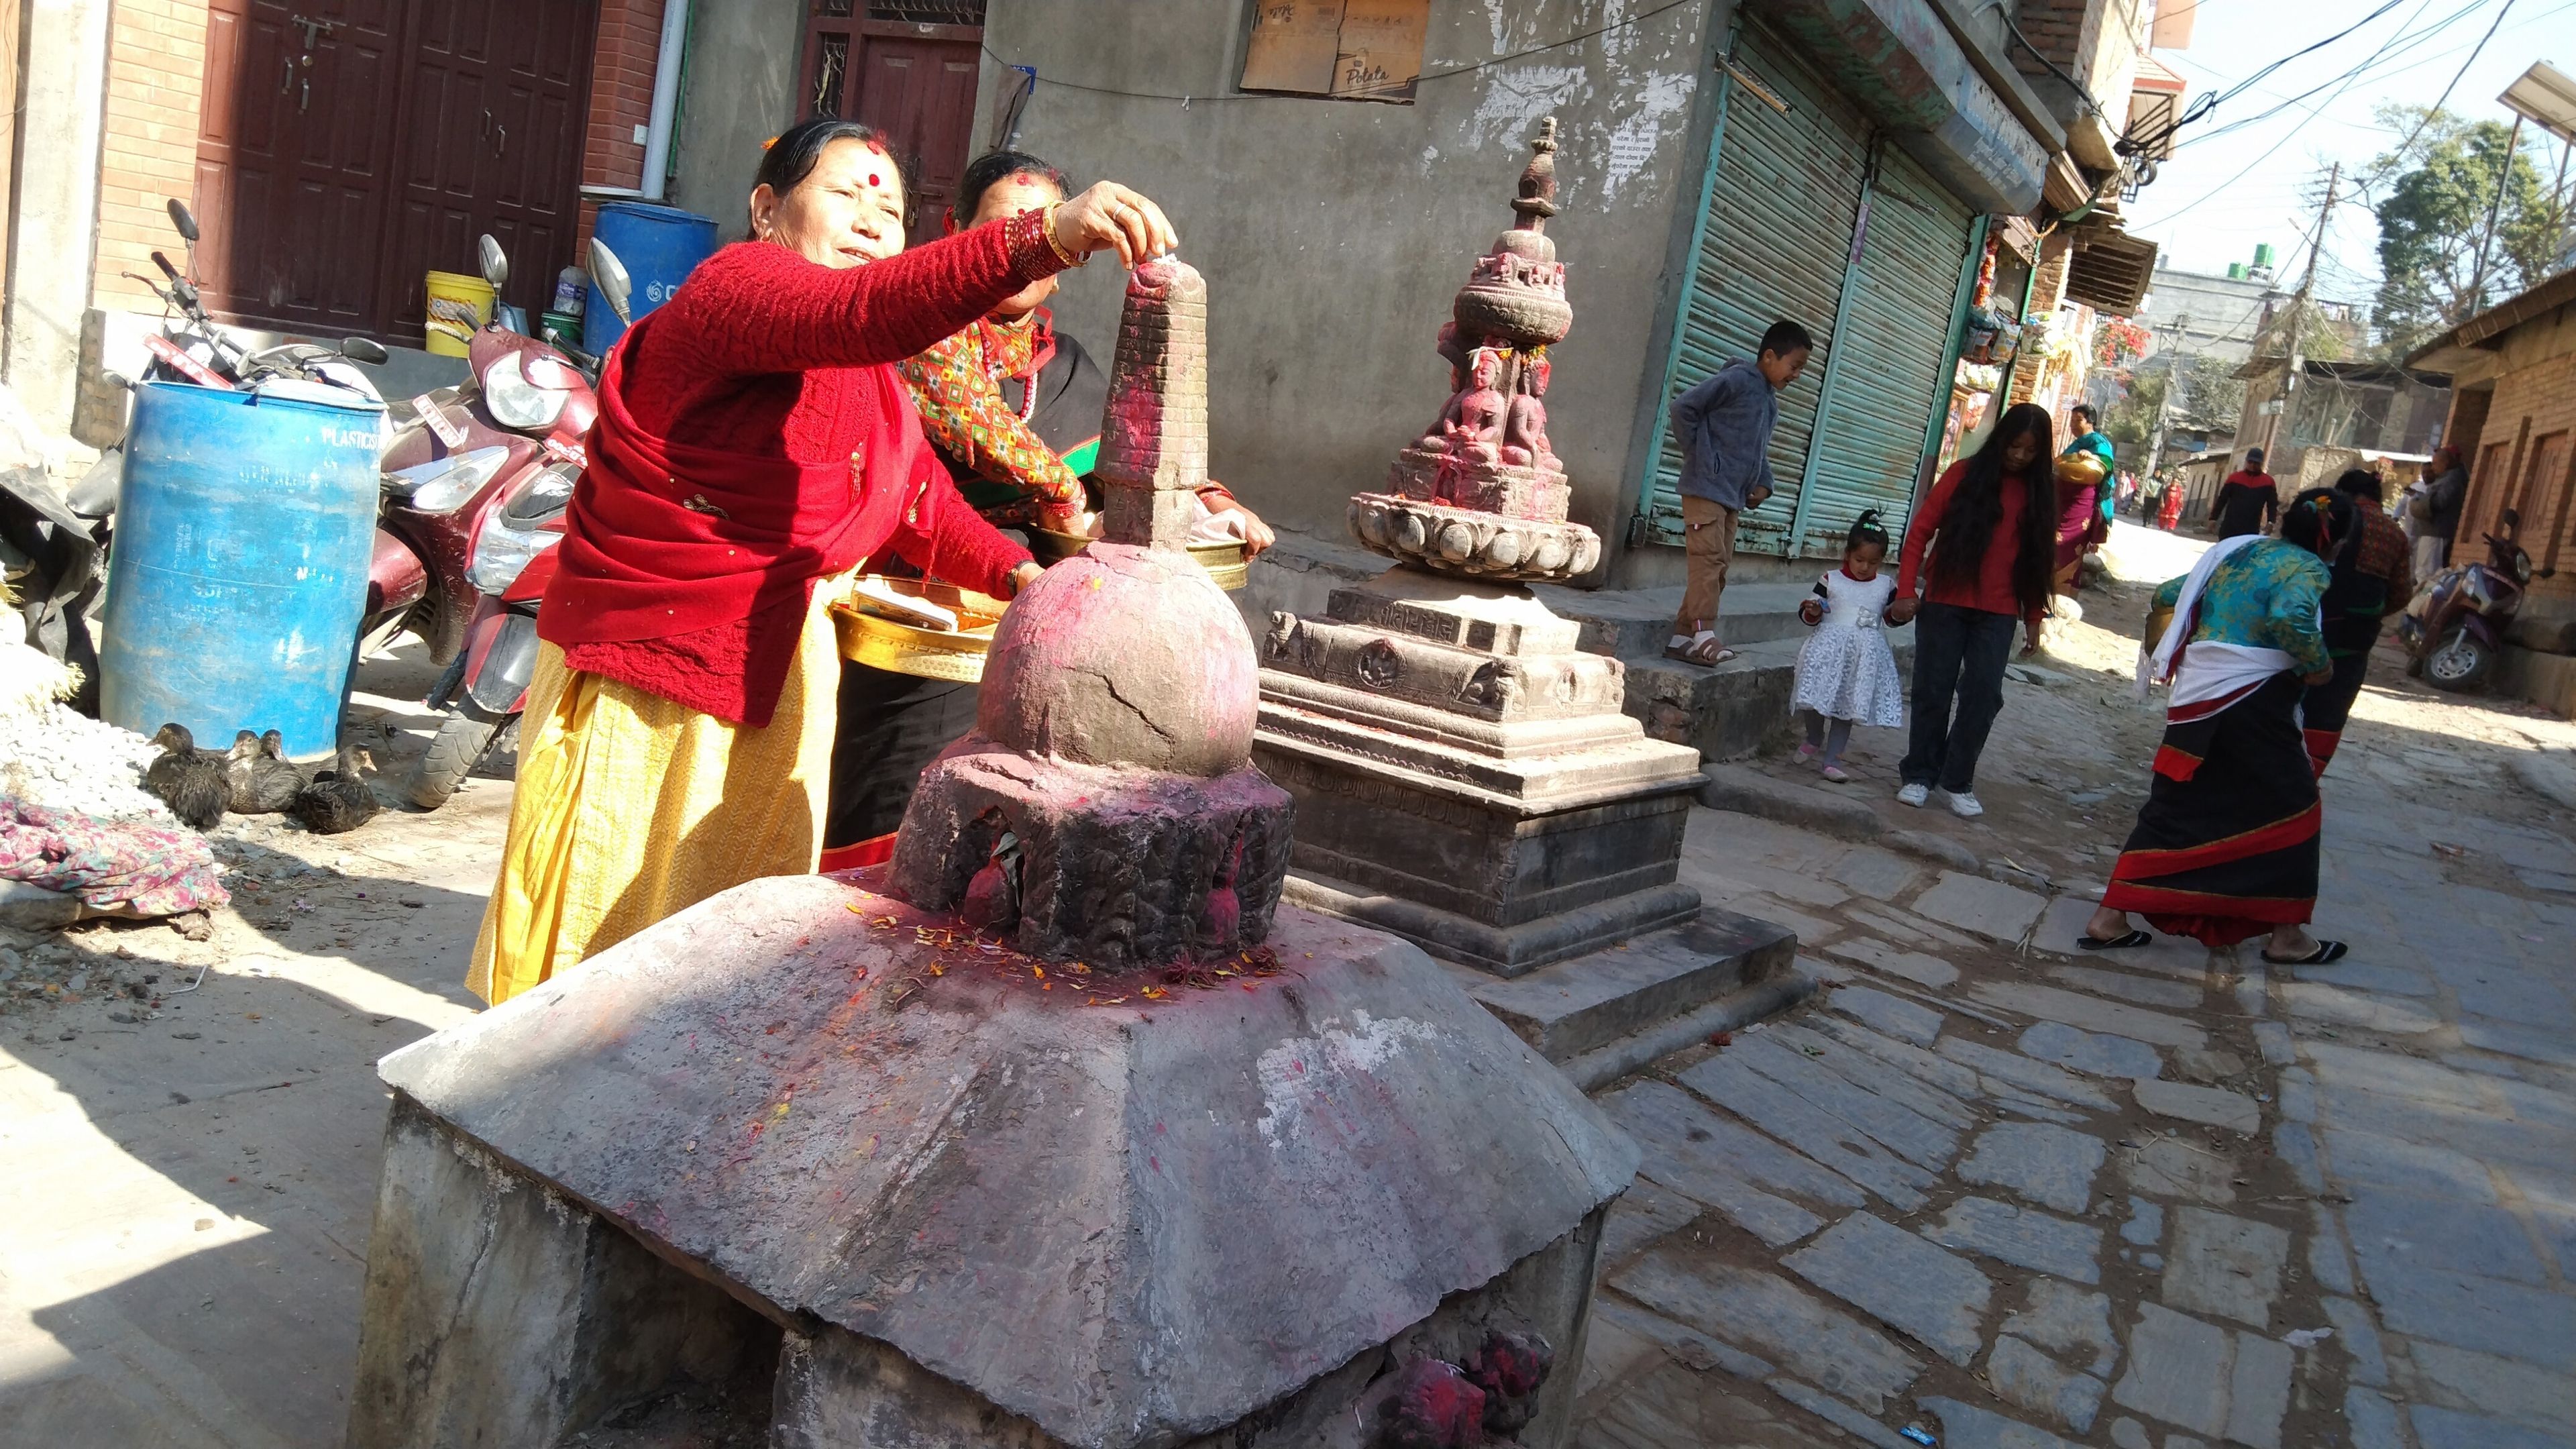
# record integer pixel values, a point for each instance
(2204, 214)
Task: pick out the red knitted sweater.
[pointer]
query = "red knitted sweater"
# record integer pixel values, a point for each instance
(784, 364)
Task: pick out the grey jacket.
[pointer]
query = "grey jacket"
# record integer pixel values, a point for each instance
(2447, 494)
(1723, 428)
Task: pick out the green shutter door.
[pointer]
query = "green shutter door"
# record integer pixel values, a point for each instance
(1781, 196)
(1889, 344)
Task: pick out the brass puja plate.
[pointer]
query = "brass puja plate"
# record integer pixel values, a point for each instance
(1225, 564)
(900, 648)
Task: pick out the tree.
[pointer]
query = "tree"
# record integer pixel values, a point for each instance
(2433, 220)
(2206, 393)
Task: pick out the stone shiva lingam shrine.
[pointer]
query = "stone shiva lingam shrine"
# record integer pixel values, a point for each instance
(1060, 1129)
(1464, 774)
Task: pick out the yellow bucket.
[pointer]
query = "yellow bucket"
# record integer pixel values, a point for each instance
(458, 306)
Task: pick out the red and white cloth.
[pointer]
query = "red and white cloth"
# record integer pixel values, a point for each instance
(2208, 675)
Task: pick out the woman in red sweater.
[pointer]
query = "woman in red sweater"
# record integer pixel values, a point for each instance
(754, 450)
(1990, 527)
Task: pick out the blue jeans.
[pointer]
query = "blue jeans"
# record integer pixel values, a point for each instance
(1958, 654)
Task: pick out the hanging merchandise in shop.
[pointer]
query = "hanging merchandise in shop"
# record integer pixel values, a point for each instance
(1810, 213)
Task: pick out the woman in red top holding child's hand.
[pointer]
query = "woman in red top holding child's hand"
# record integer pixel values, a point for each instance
(1990, 526)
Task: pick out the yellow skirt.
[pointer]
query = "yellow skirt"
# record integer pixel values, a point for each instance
(631, 808)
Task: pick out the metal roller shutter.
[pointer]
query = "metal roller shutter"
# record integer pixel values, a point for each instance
(1891, 341)
(1777, 207)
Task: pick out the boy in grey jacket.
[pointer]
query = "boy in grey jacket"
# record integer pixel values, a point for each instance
(1723, 428)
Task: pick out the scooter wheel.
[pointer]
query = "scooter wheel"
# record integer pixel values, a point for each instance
(461, 744)
(2462, 663)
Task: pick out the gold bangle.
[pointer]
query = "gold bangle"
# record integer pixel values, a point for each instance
(1046, 228)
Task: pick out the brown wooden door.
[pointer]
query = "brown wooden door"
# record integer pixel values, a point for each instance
(292, 149)
(348, 146)
(921, 93)
(906, 67)
(491, 142)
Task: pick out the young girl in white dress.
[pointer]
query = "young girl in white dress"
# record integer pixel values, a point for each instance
(1846, 674)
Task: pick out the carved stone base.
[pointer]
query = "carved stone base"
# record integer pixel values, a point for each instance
(1476, 544)
(1434, 475)
(1112, 866)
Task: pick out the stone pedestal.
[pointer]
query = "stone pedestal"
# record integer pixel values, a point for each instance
(806, 1166)
(1465, 777)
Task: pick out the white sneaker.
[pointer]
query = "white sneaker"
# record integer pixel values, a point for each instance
(1914, 795)
(1965, 806)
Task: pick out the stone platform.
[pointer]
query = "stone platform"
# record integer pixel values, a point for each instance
(823, 1162)
(1464, 776)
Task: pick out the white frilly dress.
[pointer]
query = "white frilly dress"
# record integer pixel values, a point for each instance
(1845, 670)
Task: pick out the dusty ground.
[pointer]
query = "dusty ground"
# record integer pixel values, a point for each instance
(191, 1173)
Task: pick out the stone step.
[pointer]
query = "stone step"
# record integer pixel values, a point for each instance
(1608, 1012)
(1727, 711)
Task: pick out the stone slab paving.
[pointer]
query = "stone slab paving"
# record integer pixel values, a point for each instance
(2014, 1196)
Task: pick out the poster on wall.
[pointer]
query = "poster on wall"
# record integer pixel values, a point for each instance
(1359, 50)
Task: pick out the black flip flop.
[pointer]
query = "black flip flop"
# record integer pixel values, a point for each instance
(2326, 951)
(2129, 942)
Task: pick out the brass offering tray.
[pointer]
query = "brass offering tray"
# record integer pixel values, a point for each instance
(1224, 562)
(900, 648)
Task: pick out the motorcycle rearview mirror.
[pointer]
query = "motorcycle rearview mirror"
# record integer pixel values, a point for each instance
(495, 262)
(609, 275)
(366, 350)
(184, 220)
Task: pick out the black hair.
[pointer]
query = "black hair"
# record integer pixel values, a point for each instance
(2318, 516)
(2084, 411)
(792, 154)
(1784, 337)
(992, 169)
(1968, 525)
(1866, 530)
(2362, 483)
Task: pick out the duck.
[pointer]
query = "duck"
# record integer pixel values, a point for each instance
(262, 781)
(339, 799)
(187, 779)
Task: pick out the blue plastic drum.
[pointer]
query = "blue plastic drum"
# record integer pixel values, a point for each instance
(660, 246)
(243, 530)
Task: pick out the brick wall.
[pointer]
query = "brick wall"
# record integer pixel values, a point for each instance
(621, 96)
(2062, 30)
(156, 54)
(2530, 404)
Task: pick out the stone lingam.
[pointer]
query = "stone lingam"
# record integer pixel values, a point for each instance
(1057, 1130)
(1464, 774)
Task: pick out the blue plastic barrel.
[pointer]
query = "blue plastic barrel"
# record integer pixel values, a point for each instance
(660, 246)
(243, 530)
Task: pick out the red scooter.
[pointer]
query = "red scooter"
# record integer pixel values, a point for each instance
(476, 482)
(2455, 624)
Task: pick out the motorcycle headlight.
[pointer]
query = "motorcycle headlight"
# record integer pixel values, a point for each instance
(502, 552)
(545, 493)
(2521, 567)
(515, 401)
(443, 484)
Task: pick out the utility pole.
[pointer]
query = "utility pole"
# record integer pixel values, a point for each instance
(2298, 314)
(2164, 406)
(2478, 277)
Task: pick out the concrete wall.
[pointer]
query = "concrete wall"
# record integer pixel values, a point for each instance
(54, 227)
(739, 92)
(1334, 233)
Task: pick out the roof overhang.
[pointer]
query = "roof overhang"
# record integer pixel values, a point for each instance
(2110, 270)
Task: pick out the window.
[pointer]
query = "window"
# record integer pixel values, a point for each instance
(834, 30)
(1357, 50)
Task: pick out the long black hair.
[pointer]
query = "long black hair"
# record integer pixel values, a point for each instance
(2319, 516)
(792, 154)
(1968, 524)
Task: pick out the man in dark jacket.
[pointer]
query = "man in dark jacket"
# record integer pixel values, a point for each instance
(2439, 520)
(2248, 501)
(1723, 428)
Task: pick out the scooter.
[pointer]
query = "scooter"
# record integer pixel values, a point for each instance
(2455, 624)
(500, 466)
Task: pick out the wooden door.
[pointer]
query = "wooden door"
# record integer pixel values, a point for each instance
(906, 67)
(491, 141)
(921, 94)
(292, 150)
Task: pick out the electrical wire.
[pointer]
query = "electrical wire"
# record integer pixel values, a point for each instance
(2362, 186)
(1429, 75)
(2214, 100)
(2397, 46)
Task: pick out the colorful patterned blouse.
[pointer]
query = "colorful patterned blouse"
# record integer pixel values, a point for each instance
(2265, 594)
(957, 386)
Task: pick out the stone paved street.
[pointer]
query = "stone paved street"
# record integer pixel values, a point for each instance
(2012, 1196)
